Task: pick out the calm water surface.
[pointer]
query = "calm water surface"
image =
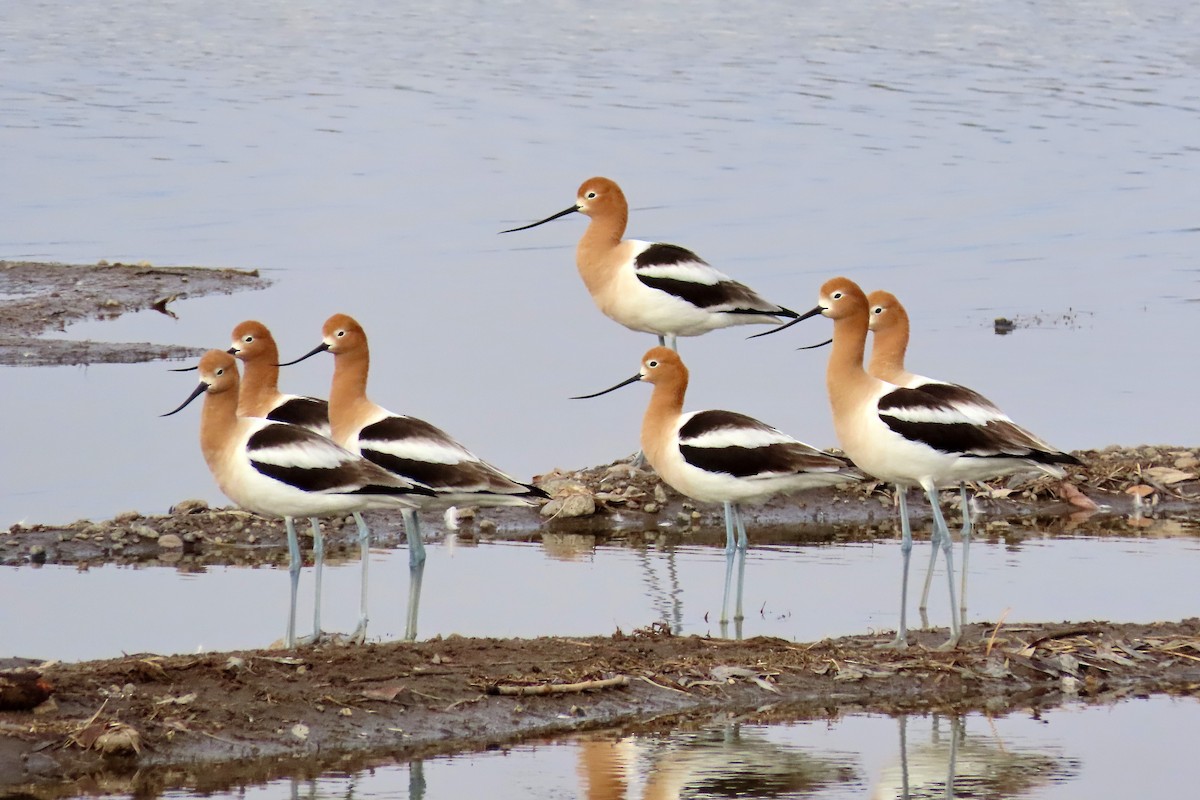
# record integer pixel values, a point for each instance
(1132, 749)
(980, 159)
(568, 587)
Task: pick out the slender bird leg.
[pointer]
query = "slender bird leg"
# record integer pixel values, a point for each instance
(318, 566)
(729, 554)
(942, 533)
(359, 634)
(923, 607)
(738, 616)
(294, 575)
(901, 640)
(966, 550)
(729, 528)
(318, 569)
(743, 541)
(416, 542)
(672, 343)
(662, 340)
(416, 573)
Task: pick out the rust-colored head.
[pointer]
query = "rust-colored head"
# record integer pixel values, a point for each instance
(841, 298)
(218, 374)
(598, 197)
(341, 333)
(252, 341)
(887, 313)
(662, 364)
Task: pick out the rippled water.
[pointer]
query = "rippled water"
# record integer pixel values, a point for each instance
(980, 159)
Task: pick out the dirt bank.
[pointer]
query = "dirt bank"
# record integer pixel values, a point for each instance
(142, 724)
(39, 297)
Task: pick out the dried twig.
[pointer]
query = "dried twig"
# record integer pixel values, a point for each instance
(559, 688)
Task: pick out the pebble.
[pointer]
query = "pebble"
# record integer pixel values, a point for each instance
(189, 507)
(651, 508)
(487, 526)
(144, 532)
(126, 516)
(170, 541)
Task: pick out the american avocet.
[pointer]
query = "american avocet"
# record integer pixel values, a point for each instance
(283, 470)
(259, 396)
(654, 287)
(889, 324)
(722, 456)
(930, 436)
(408, 447)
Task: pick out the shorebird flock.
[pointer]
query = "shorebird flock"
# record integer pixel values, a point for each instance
(289, 456)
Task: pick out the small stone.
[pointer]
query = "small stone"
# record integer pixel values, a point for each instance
(189, 507)
(170, 541)
(126, 516)
(651, 508)
(144, 532)
(487, 526)
(1187, 462)
(37, 554)
(660, 494)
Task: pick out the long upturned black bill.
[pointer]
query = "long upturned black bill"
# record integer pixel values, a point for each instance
(199, 390)
(625, 382)
(550, 218)
(321, 348)
(810, 313)
(816, 346)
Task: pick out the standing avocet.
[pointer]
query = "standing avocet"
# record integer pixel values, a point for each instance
(654, 287)
(722, 456)
(410, 448)
(931, 436)
(259, 396)
(890, 326)
(283, 470)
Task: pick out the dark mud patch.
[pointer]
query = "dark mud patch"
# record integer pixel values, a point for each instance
(39, 297)
(143, 724)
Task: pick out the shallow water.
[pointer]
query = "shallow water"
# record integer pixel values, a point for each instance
(980, 160)
(1131, 749)
(569, 587)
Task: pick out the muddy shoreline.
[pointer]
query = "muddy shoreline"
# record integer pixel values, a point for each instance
(142, 724)
(145, 723)
(39, 297)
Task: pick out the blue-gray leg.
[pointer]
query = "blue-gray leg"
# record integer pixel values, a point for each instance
(729, 528)
(359, 634)
(318, 570)
(901, 640)
(941, 534)
(412, 532)
(294, 576)
(416, 573)
(966, 550)
(729, 554)
(743, 541)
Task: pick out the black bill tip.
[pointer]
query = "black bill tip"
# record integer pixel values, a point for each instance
(550, 218)
(321, 348)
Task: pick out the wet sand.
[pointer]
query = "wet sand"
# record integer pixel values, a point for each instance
(144, 723)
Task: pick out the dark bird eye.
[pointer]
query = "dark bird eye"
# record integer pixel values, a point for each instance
(219, 372)
(652, 364)
(341, 334)
(248, 339)
(591, 195)
(837, 295)
(878, 309)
